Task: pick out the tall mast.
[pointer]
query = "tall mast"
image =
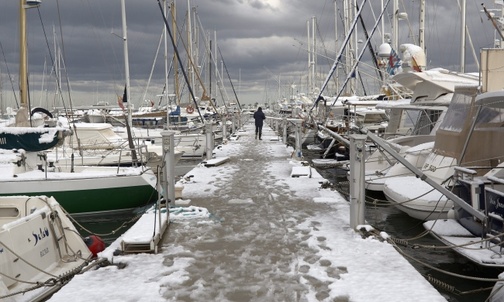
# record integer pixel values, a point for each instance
(23, 57)
(175, 59)
(165, 57)
(126, 59)
(421, 34)
(22, 116)
(309, 56)
(127, 88)
(462, 37)
(314, 56)
(189, 43)
(395, 26)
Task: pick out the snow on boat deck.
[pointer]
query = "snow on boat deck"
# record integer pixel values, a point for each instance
(254, 233)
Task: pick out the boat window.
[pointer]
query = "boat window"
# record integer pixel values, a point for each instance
(490, 117)
(375, 118)
(409, 118)
(457, 113)
(426, 121)
(9, 212)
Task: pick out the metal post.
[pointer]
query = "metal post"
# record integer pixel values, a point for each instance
(169, 161)
(209, 146)
(357, 171)
(233, 124)
(299, 153)
(224, 129)
(284, 122)
(240, 122)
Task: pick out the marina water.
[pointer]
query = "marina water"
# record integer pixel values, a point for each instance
(399, 225)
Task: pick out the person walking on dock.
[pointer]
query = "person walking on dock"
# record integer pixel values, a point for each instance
(259, 117)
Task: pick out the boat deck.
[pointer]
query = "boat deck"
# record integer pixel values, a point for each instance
(262, 226)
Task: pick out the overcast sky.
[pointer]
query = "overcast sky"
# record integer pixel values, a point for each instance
(263, 44)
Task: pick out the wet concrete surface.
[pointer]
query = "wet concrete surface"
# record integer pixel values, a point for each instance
(253, 248)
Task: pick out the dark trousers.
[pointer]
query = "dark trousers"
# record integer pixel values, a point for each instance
(258, 131)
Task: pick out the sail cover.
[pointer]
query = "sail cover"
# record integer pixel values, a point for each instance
(31, 139)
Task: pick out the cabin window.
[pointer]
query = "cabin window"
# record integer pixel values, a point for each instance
(409, 118)
(490, 117)
(426, 121)
(9, 212)
(457, 112)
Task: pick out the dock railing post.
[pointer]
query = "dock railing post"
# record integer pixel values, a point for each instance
(298, 143)
(168, 179)
(224, 129)
(209, 146)
(233, 123)
(284, 124)
(357, 171)
(240, 120)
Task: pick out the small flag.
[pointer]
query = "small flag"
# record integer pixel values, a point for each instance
(394, 62)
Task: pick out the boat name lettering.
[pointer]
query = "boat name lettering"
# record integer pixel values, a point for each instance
(3, 141)
(41, 234)
(44, 252)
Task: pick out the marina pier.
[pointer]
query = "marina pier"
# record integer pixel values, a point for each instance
(257, 232)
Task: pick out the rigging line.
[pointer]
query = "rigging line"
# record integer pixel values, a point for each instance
(63, 57)
(206, 47)
(338, 57)
(49, 50)
(110, 65)
(214, 62)
(10, 77)
(370, 47)
(204, 96)
(362, 52)
(335, 79)
(441, 270)
(494, 23)
(225, 67)
(178, 58)
(152, 68)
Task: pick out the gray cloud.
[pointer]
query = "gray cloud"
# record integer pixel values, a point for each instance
(262, 42)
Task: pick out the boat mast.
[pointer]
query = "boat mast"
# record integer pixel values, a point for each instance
(23, 58)
(421, 33)
(463, 36)
(127, 88)
(22, 117)
(309, 56)
(166, 60)
(189, 47)
(314, 57)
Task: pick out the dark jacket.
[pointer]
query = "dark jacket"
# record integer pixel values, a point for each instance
(259, 117)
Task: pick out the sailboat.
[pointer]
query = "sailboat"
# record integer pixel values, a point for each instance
(26, 169)
(40, 249)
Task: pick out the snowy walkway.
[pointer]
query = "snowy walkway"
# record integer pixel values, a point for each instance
(269, 237)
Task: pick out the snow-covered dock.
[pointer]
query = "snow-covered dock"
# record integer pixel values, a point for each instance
(256, 233)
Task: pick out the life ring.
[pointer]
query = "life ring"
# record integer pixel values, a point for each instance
(189, 109)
